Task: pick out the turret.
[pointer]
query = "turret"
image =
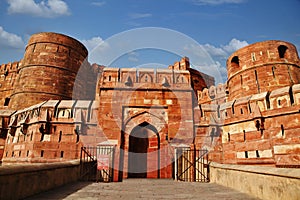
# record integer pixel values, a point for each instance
(262, 67)
(49, 68)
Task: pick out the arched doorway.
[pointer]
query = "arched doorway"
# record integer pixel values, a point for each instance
(142, 139)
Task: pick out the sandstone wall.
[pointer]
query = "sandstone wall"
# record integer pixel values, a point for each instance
(261, 182)
(261, 67)
(21, 181)
(257, 129)
(48, 70)
(52, 131)
(8, 78)
(162, 99)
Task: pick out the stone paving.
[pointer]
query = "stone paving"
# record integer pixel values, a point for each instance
(143, 189)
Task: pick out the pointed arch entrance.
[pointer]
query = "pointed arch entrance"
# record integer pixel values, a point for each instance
(142, 157)
(143, 130)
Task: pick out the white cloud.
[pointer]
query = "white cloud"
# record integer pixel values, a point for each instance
(217, 2)
(234, 45)
(97, 49)
(10, 40)
(92, 43)
(211, 59)
(214, 51)
(47, 9)
(98, 3)
(224, 50)
(139, 15)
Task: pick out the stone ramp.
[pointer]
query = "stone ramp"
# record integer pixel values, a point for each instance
(143, 189)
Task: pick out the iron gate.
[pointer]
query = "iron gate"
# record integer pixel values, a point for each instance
(91, 166)
(191, 165)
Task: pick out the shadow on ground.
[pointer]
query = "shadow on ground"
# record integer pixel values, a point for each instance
(143, 189)
(60, 192)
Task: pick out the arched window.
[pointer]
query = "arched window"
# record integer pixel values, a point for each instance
(282, 51)
(146, 78)
(235, 61)
(6, 102)
(180, 79)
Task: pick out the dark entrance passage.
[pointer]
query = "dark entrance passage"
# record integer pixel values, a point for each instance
(138, 150)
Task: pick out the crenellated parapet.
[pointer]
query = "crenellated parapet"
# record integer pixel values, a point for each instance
(176, 78)
(213, 94)
(50, 131)
(8, 78)
(133, 77)
(199, 80)
(255, 129)
(183, 64)
(9, 67)
(252, 106)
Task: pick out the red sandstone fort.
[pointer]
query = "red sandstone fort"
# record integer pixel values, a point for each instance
(54, 102)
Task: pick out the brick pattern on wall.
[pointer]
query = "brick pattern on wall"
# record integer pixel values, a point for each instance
(257, 112)
(253, 118)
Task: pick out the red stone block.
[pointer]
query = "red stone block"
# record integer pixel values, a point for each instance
(177, 104)
(289, 160)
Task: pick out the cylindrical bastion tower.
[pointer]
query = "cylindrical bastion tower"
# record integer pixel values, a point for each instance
(49, 68)
(261, 67)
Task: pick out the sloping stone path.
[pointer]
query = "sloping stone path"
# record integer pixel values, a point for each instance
(143, 189)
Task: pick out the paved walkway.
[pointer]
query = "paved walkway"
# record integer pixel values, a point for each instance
(143, 189)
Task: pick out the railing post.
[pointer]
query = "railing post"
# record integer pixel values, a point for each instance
(176, 165)
(193, 167)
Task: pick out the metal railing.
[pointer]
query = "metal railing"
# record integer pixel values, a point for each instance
(91, 167)
(191, 165)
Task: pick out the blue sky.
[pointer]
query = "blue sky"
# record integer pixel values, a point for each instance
(219, 27)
